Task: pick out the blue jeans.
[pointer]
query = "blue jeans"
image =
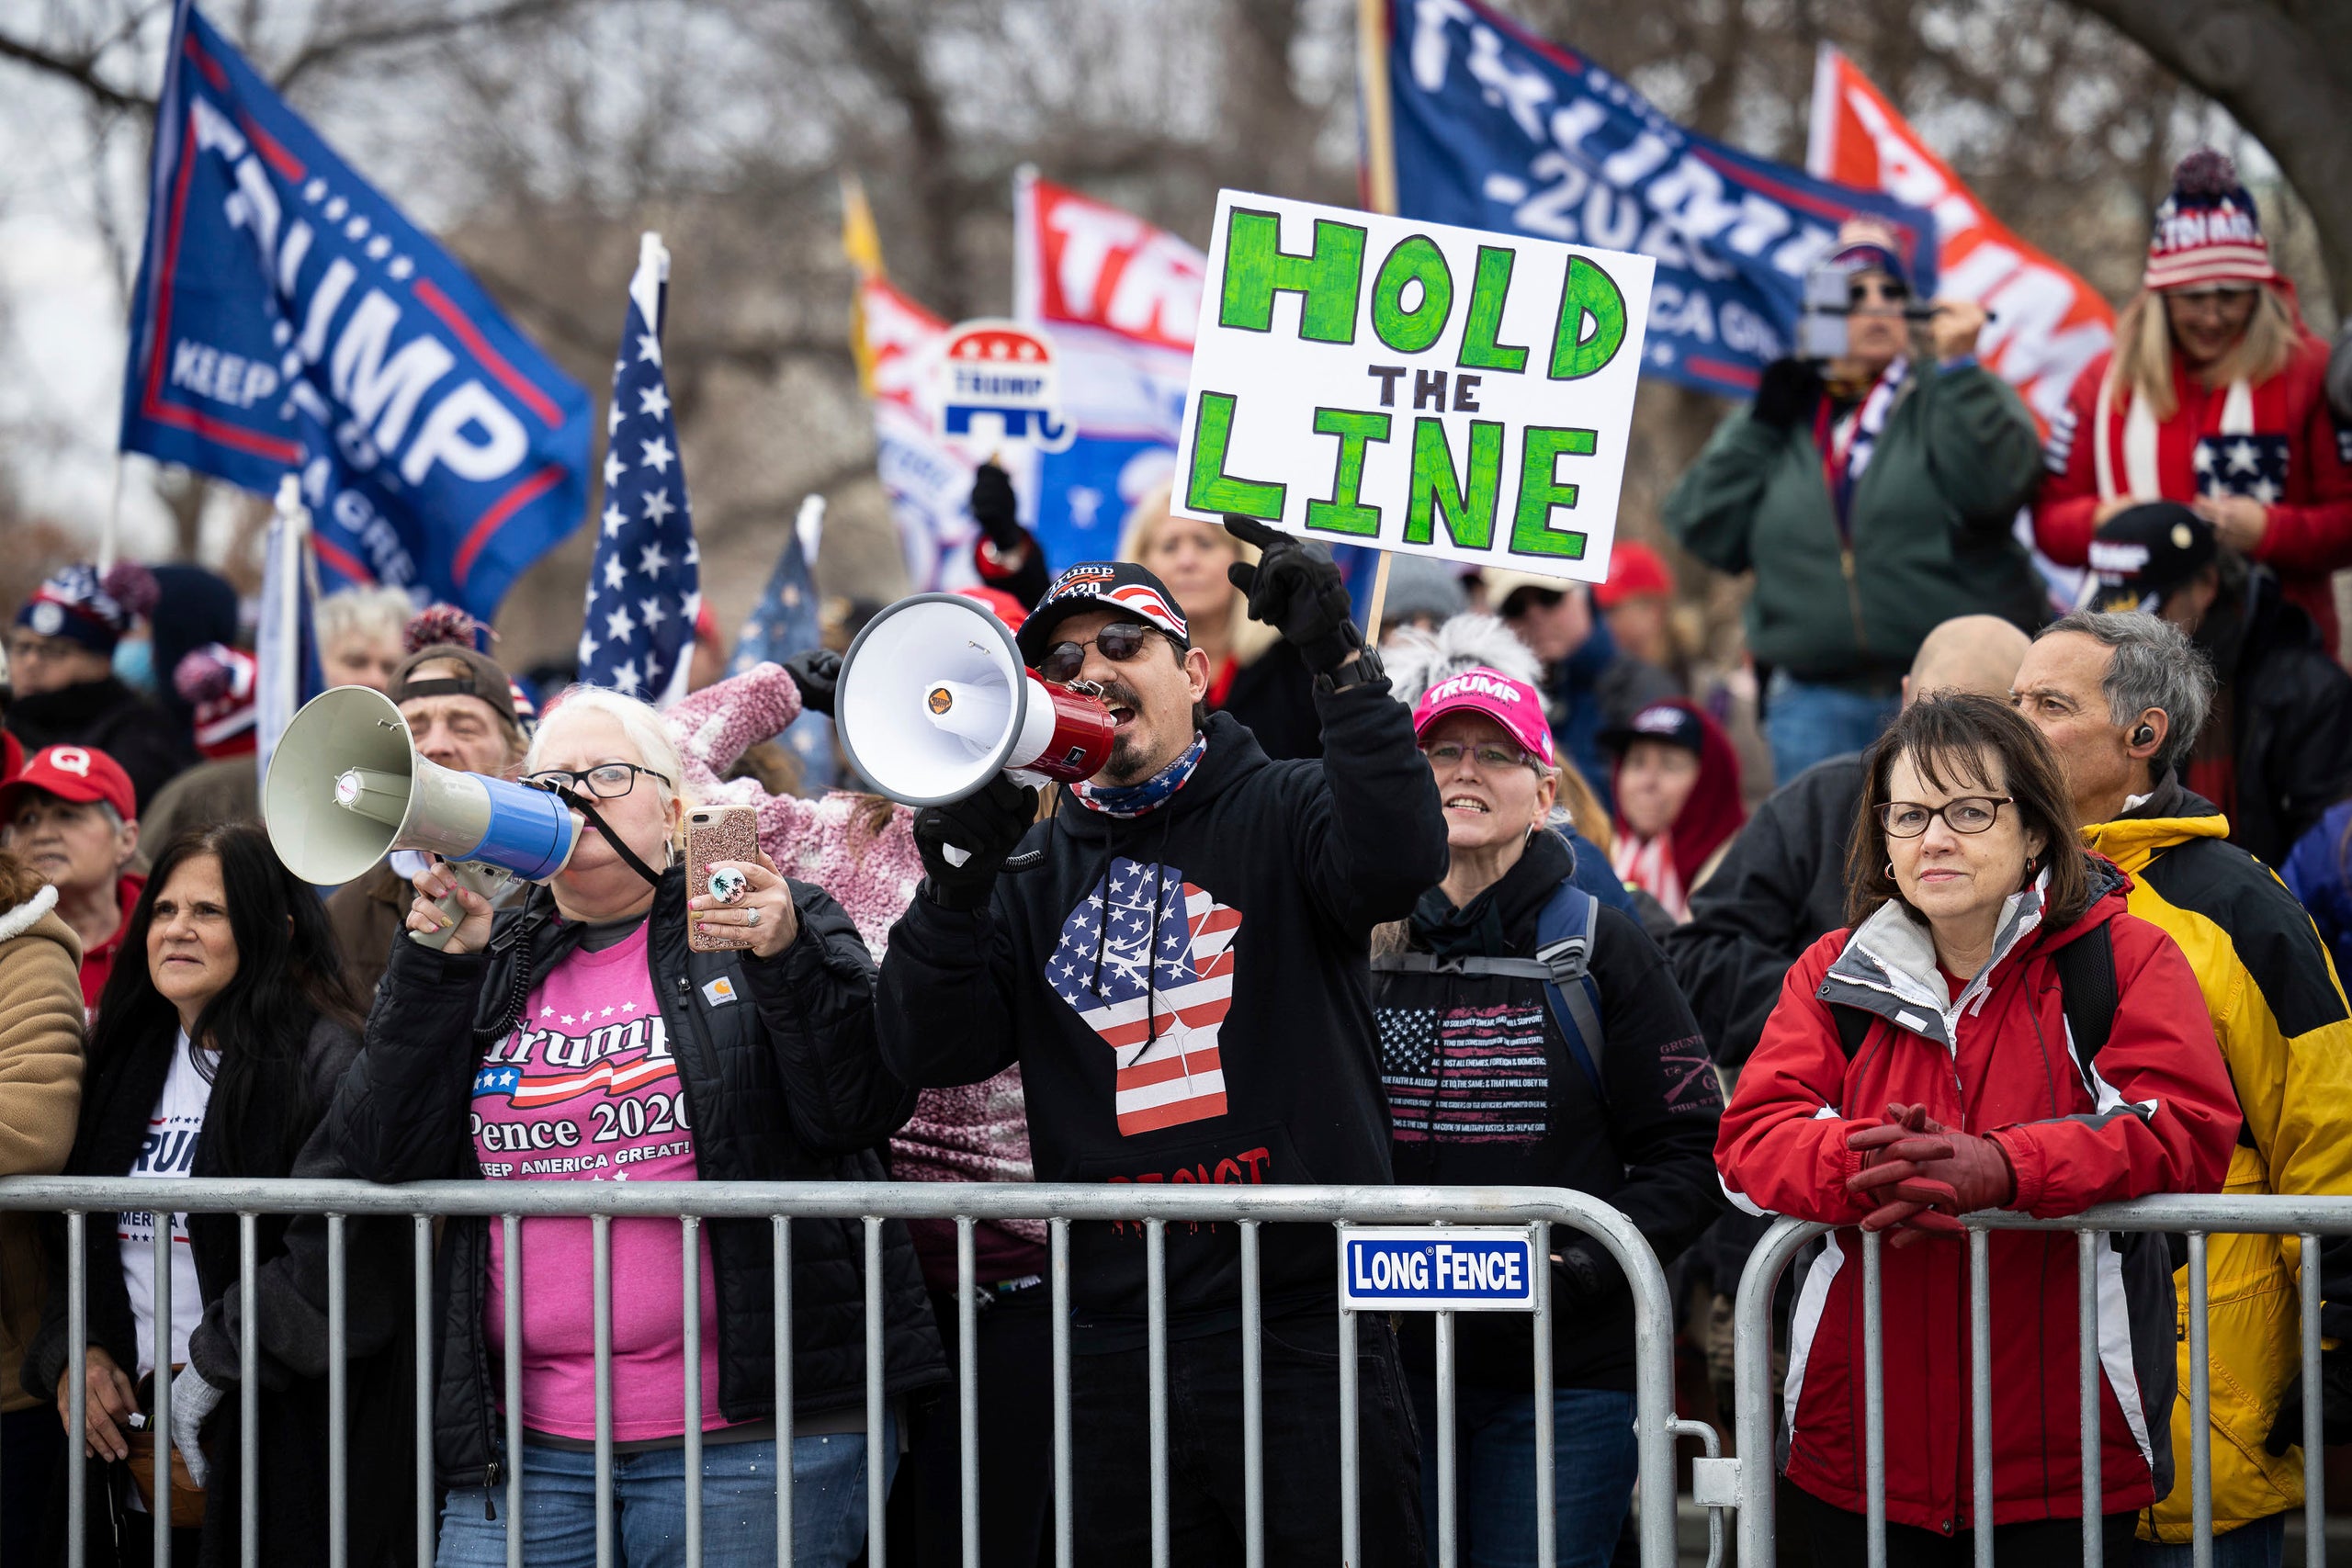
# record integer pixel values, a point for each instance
(1807, 724)
(1594, 1462)
(2262, 1544)
(649, 1506)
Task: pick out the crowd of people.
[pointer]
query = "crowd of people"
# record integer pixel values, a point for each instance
(1495, 893)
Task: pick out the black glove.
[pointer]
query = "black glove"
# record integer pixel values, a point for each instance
(1298, 593)
(995, 511)
(1786, 393)
(816, 670)
(2336, 1405)
(1579, 1276)
(986, 827)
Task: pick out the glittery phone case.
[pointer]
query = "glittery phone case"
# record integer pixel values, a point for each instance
(717, 833)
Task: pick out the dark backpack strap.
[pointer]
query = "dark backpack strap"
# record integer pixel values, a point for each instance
(1564, 937)
(2087, 991)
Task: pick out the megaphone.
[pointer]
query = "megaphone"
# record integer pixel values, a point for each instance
(346, 786)
(933, 700)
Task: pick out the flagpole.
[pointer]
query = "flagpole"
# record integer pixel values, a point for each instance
(1380, 172)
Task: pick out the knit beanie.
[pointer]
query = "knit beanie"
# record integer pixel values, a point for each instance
(2206, 229)
(218, 681)
(96, 611)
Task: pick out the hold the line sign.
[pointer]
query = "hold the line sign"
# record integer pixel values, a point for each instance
(1413, 387)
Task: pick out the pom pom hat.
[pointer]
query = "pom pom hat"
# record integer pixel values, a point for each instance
(2207, 231)
(218, 681)
(97, 611)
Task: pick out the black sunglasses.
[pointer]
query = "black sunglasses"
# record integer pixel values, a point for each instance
(1120, 642)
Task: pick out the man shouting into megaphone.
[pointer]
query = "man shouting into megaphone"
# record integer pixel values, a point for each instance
(1178, 960)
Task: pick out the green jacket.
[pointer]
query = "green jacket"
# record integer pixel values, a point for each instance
(1931, 524)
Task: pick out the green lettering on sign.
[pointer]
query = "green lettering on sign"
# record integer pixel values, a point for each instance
(1487, 291)
(1469, 506)
(1209, 487)
(1257, 268)
(1416, 258)
(1344, 512)
(1587, 294)
(1540, 490)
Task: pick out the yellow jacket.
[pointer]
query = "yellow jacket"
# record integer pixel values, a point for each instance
(2286, 1033)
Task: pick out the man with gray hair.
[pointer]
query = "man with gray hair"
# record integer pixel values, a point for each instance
(2120, 698)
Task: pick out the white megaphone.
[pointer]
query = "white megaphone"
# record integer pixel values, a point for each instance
(934, 701)
(346, 786)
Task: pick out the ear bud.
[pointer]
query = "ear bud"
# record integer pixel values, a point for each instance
(2142, 735)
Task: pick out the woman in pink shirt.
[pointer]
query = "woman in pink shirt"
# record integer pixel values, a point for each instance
(581, 1039)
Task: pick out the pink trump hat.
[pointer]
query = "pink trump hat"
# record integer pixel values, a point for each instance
(1514, 705)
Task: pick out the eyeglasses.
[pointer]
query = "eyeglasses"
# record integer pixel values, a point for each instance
(2221, 295)
(1870, 290)
(1491, 758)
(1118, 642)
(1962, 814)
(606, 781)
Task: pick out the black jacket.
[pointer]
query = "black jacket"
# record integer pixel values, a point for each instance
(1482, 1090)
(1272, 697)
(1779, 887)
(1253, 889)
(2283, 719)
(291, 1331)
(789, 1088)
(115, 719)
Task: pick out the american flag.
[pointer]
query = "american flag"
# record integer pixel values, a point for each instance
(1158, 991)
(645, 589)
(2242, 465)
(785, 622)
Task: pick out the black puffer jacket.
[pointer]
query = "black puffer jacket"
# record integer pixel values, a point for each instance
(789, 1088)
(110, 716)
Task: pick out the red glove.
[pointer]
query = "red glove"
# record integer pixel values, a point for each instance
(1928, 1173)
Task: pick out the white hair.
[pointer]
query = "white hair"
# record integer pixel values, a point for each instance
(378, 613)
(1418, 659)
(640, 721)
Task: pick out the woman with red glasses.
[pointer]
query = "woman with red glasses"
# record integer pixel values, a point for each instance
(2215, 396)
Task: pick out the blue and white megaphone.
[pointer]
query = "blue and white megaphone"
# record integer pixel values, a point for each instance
(347, 787)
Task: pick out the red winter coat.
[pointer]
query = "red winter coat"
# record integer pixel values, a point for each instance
(2156, 1114)
(2310, 516)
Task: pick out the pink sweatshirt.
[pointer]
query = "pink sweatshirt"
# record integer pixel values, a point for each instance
(971, 1132)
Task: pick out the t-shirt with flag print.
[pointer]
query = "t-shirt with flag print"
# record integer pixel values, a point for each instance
(584, 1089)
(1147, 960)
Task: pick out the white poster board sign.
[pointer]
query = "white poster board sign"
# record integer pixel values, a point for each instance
(1413, 387)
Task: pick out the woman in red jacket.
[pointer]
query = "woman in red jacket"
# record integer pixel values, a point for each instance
(1961, 1089)
(2214, 395)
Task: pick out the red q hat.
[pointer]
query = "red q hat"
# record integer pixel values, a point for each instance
(1634, 570)
(74, 773)
(1514, 705)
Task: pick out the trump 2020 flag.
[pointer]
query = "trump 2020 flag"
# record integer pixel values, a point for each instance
(1147, 960)
(645, 586)
(1497, 129)
(290, 320)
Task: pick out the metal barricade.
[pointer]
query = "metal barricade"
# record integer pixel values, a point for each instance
(689, 1205)
(2196, 1217)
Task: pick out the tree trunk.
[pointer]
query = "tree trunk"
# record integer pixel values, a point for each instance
(2284, 71)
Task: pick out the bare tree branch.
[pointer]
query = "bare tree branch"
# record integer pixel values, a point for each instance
(81, 69)
(330, 49)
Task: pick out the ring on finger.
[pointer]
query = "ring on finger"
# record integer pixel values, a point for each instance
(751, 917)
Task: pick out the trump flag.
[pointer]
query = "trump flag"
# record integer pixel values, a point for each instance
(1495, 128)
(290, 320)
(2047, 323)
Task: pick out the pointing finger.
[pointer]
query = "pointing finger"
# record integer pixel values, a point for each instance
(1249, 531)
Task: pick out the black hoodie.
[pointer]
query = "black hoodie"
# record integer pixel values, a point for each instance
(1244, 907)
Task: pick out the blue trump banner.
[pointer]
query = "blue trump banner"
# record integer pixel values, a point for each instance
(1497, 129)
(290, 320)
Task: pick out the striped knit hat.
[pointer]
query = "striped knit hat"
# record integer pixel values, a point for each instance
(2207, 231)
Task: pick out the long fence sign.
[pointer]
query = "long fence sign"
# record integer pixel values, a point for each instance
(1413, 387)
(1437, 1268)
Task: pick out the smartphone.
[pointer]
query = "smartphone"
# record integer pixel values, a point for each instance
(1821, 329)
(717, 833)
